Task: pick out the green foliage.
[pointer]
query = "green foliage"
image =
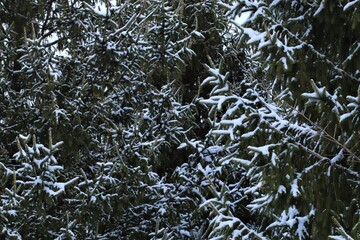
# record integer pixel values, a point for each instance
(301, 157)
(115, 81)
(33, 198)
(176, 122)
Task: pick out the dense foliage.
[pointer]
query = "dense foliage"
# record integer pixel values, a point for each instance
(159, 119)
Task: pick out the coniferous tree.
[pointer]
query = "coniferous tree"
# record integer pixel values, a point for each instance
(36, 190)
(297, 136)
(110, 78)
(173, 123)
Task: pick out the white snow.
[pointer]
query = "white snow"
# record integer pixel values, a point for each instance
(240, 20)
(294, 188)
(338, 157)
(281, 189)
(264, 150)
(260, 202)
(347, 115)
(274, 158)
(338, 237)
(254, 36)
(301, 231)
(55, 168)
(321, 7)
(12, 212)
(350, 4)
(99, 8)
(291, 219)
(241, 161)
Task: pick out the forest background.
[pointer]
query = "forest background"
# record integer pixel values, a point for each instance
(159, 119)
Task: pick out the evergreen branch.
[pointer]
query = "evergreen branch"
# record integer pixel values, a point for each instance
(282, 102)
(319, 55)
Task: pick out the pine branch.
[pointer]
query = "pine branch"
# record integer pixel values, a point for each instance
(316, 127)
